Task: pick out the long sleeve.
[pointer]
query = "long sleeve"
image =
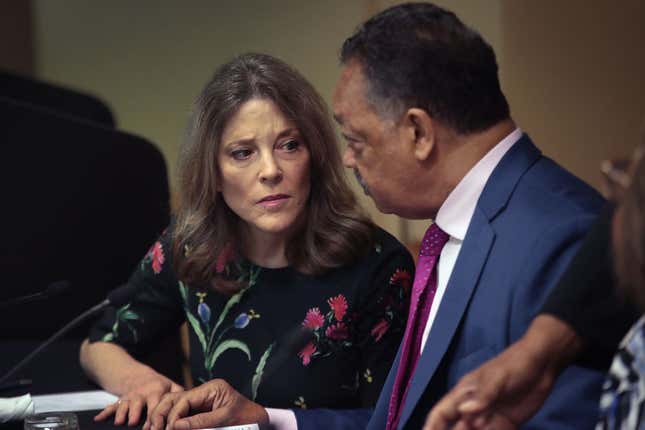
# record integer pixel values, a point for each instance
(152, 313)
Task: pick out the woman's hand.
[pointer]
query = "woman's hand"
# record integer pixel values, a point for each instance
(146, 392)
(213, 404)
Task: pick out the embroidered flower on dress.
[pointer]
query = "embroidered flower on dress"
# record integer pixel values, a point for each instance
(313, 319)
(204, 312)
(242, 320)
(338, 305)
(155, 254)
(368, 376)
(401, 278)
(300, 402)
(306, 353)
(379, 329)
(337, 331)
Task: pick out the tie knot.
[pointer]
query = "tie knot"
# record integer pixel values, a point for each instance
(433, 241)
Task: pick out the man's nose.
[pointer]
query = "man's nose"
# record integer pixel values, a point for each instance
(348, 158)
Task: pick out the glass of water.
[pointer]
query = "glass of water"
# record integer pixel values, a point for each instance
(52, 421)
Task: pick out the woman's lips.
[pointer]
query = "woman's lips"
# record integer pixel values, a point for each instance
(274, 201)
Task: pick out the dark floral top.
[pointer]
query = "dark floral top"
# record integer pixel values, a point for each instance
(357, 315)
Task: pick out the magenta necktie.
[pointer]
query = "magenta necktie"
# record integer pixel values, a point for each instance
(423, 291)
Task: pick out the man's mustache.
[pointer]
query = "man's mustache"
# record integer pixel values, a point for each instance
(362, 183)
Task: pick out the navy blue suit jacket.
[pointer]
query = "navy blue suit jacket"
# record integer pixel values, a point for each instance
(527, 225)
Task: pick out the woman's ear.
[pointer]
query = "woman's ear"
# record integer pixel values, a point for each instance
(422, 130)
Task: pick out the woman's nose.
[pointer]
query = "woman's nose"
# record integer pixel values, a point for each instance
(270, 170)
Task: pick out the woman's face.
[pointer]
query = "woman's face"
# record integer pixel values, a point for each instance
(264, 168)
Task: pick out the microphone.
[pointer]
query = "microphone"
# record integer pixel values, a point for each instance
(52, 290)
(117, 297)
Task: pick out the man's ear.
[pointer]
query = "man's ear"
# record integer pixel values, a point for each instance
(421, 128)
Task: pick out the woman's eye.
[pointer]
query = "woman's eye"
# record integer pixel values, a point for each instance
(241, 154)
(290, 145)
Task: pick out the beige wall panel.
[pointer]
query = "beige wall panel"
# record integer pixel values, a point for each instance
(571, 70)
(149, 59)
(574, 77)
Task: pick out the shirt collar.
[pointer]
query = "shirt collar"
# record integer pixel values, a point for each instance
(457, 210)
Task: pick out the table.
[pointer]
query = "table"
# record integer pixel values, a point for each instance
(57, 370)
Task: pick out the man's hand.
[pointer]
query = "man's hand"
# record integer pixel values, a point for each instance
(147, 392)
(507, 390)
(213, 404)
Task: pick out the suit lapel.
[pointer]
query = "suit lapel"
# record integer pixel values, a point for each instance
(470, 262)
(469, 265)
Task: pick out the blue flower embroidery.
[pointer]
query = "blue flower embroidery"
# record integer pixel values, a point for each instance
(242, 320)
(204, 312)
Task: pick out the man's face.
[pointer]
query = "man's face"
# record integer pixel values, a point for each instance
(376, 146)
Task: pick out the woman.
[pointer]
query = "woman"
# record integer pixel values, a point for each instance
(267, 236)
(622, 405)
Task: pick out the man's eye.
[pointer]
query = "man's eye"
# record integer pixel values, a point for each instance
(350, 140)
(290, 145)
(241, 154)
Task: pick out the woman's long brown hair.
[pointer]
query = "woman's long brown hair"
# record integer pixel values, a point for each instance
(335, 231)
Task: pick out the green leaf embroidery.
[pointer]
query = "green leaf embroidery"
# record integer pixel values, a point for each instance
(224, 346)
(129, 315)
(197, 329)
(254, 272)
(207, 335)
(235, 299)
(257, 377)
(184, 291)
(123, 315)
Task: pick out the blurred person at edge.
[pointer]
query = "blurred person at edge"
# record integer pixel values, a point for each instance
(584, 317)
(622, 404)
(267, 237)
(429, 132)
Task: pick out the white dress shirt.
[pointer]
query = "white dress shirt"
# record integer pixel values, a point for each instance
(454, 218)
(455, 214)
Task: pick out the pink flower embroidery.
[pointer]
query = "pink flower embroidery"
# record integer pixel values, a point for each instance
(379, 329)
(223, 258)
(306, 353)
(155, 254)
(313, 319)
(337, 331)
(339, 306)
(401, 278)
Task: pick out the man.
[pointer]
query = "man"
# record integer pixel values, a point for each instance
(430, 136)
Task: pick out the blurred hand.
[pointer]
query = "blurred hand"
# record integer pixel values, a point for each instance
(148, 393)
(212, 404)
(506, 391)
